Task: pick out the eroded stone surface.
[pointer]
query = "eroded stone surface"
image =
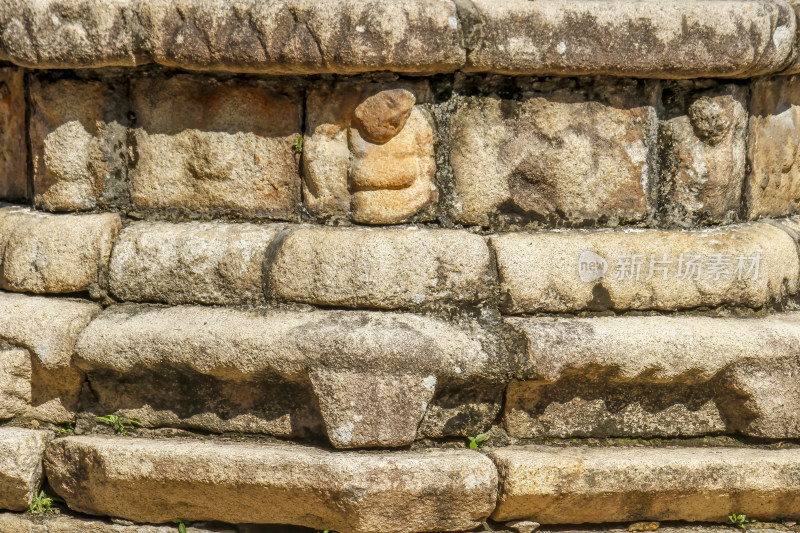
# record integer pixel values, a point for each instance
(656, 376)
(577, 484)
(21, 453)
(13, 149)
(719, 38)
(561, 154)
(215, 147)
(194, 262)
(156, 480)
(45, 253)
(702, 154)
(368, 151)
(57, 523)
(385, 269)
(172, 366)
(751, 265)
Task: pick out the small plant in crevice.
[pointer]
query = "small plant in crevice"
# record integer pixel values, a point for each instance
(477, 441)
(740, 520)
(181, 525)
(118, 424)
(298, 144)
(42, 503)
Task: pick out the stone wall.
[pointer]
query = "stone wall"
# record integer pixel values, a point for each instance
(311, 249)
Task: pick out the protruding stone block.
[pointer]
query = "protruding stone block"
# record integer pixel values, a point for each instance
(721, 38)
(158, 480)
(560, 155)
(577, 485)
(193, 262)
(215, 147)
(662, 376)
(752, 265)
(78, 144)
(21, 453)
(702, 153)
(13, 148)
(45, 253)
(384, 269)
(369, 151)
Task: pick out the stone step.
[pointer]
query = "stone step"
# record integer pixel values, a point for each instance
(21, 452)
(574, 485)
(723, 38)
(157, 481)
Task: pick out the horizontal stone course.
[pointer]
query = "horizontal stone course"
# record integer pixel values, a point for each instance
(21, 452)
(578, 485)
(157, 480)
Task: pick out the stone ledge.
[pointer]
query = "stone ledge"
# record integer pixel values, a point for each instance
(719, 38)
(595, 485)
(21, 453)
(159, 480)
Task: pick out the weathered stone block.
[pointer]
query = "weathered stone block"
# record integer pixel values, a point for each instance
(560, 155)
(37, 336)
(157, 480)
(215, 147)
(368, 150)
(720, 38)
(385, 269)
(64, 523)
(193, 262)
(78, 144)
(21, 453)
(274, 368)
(45, 253)
(656, 376)
(13, 149)
(577, 484)
(752, 265)
(772, 187)
(303, 36)
(68, 33)
(702, 154)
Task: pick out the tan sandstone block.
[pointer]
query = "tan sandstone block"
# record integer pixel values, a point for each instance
(58, 523)
(656, 376)
(21, 453)
(78, 145)
(384, 269)
(13, 149)
(368, 151)
(752, 265)
(559, 155)
(193, 262)
(772, 187)
(578, 484)
(702, 154)
(157, 480)
(215, 147)
(655, 39)
(44, 253)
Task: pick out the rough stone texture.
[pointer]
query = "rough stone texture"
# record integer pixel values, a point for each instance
(21, 453)
(303, 36)
(45, 253)
(656, 376)
(56, 523)
(646, 269)
(385, 269)
(158, 480)
(13, 149)
(67, 34)
(228, 370)
(576, 484)
(78, 144)
(368, 149)
(664, 39)
(561, 154)
(772, 187)
(702, 154)
(193, 262)
(215, 147)
(37, 336)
